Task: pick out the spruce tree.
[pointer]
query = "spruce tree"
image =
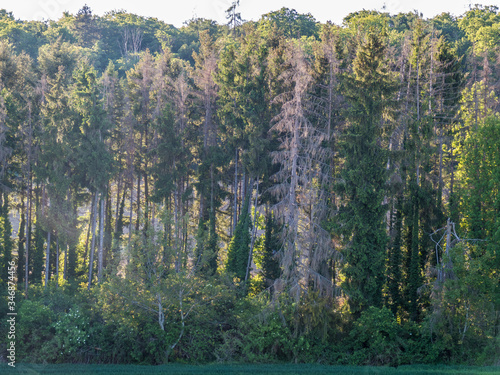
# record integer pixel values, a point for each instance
(239, 247)
(272, 246)
(361, 216)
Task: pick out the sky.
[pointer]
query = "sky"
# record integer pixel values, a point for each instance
(177, 12)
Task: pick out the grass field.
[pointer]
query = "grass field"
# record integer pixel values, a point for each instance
(217, 369)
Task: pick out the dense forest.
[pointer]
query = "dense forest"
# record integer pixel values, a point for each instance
(279, 190)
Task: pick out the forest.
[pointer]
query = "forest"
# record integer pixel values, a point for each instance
(278, 190)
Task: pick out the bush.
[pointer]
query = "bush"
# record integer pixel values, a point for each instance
(36, 332)
(375, 338)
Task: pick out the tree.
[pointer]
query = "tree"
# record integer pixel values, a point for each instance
(361, 216)
(293, 24)
(478, 173)
(209, 152)
(299, 185)
(270, 267)
(234, 18)
(239, 247)
(93, 162)
(151, 285)
(6, 244)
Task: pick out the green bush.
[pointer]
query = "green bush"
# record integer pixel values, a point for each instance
(36, 332)
(72, 333)
(375, 338)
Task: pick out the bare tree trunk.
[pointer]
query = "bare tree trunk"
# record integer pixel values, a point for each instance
(146, 196)
(138, 200)
(101, 242)
(57, 260)
(65, 272)
(235, 206)
(92, 246)
(28, 234)
(177, 242)
(28, 207)
(118, 200)
(91, 219)
(418, 121)
(130, 218)
(448, 237)
(47, 260)
(254, 231)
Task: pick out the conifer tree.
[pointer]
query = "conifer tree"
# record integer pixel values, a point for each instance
(239, 247)
(368, 89)
(299, 185)
(272, 246)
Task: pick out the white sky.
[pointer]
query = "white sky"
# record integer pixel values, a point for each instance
(176, 12)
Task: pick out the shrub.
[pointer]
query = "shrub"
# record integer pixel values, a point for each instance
(375, 338)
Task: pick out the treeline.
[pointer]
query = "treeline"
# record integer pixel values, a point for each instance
(256, 191)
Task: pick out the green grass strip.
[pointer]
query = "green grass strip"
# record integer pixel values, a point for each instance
(252, 369)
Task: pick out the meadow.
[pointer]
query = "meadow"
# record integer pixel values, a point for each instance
(218, 369)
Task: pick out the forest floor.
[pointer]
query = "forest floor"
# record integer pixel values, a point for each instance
(253, 369)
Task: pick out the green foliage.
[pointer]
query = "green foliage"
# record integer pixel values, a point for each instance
(35, 331)
(71, 333)
(6, 243)
(293, 24)
(270, 268)
(479, 170)
(377, 129)
(369, 90)
(481, 25)
(37, 252)
(375, 338)
(463, 320)
(20, 248)
(239, 247)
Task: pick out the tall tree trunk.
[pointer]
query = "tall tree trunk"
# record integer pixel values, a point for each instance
(47, 260)
(235, 206)
(91, 220)
(57, 260)
(27, 242)
(138, 200)
(254, 230)
(21, 239)
(130, 219)
(101, 242)
(118, 200)
(92, 246)
(65, 272)
(28, 204)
